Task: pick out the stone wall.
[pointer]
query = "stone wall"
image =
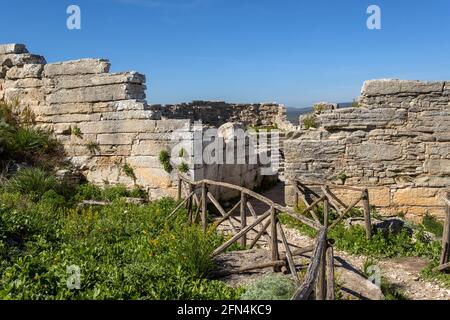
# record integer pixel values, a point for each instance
(217, 113)
(397, 142)
(104, 121)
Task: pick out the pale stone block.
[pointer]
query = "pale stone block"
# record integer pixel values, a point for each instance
(27, 71)
(77, 67)
(417, 197)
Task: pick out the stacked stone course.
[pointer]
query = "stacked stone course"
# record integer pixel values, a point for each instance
(397, 142)
(104, 121)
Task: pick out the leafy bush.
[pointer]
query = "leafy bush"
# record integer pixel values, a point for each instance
(183, 167)
(353, 240)
(164, 160)
(129, 171)
(124, 252)
(272, 286)
(431, 224)
(310, 122)
(32, 182)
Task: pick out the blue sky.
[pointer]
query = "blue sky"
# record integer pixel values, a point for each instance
(289, 51)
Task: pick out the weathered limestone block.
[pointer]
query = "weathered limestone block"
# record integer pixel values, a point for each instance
(129, 115)
(91, 80)
(125, 126)
(393, 86)
(117, 138)
(98, 94)
(376, 151)
(438, 166)
(71, 118)
(427, 197)
(77, 67)
(27, 71)
(360, 118)
(26, 96)
(11, 60)
(148, 147)
(23, 83)
(12, 48)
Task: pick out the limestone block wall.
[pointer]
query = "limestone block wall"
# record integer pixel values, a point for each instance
(397, 142)
(104, 121)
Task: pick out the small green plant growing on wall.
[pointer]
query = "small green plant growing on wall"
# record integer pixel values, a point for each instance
(93, 147)
(342, 177)
(129, 171)
(164, 160)
(355, 104)
(77, 132)
(310, 122)
(182, 153)
(183, 167)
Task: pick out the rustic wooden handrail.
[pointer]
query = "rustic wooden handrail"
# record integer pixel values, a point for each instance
(319, 268)
(256, 196)
(445, 255)
(330, 199)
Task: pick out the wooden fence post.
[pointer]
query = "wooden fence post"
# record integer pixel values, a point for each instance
(330, 273)
(179, 188)
(326, 212)
(243, 219)
(321, 287)
(274, 237)
(204, 207)
(445, 256)
(366, 208)
(189, 204)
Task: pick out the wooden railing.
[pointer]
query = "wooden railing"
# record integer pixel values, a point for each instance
(445, 256)
(320, 274)
(313, 199)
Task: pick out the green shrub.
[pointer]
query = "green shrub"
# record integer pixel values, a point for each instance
(113, 193)
(431, 224)
(272, 286)
(76, 131)
(129, 171)
(164, 160)
(353, 240)
(32, 182)
(183, 167)
(93, 147)
(88, 192)
(124, 252)
(310, 122)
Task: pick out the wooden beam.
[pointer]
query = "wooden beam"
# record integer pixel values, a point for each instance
(225, 215)
(366, 208)
(204, 207)
(274, 237)
(350, 207)
(330, 274)
(260, 233)
(279, 263)
(289, 257)
(178, 207)
(236, 237)
(243, 219)
(445, 255)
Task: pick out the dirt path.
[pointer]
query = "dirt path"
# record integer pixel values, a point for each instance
(402, 273)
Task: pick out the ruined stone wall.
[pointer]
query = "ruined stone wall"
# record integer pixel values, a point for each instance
(217, 113)
(397, 142)
(104, 121)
